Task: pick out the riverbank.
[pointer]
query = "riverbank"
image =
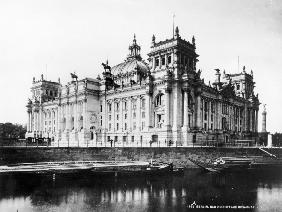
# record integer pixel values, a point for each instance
(178, 155)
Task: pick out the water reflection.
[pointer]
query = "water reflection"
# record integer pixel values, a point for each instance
(170, 193)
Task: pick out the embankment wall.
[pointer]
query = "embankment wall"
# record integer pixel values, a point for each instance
(178, 155)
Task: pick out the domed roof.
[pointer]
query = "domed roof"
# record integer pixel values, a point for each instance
(130, 65)
(133, 62)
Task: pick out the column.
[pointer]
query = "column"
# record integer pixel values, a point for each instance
(199, 121)
(148, 111)
(256, 120)
(122, 116)
(129, 115)
(84, 111)
(67, 117)
(245, 117)
(138, 111)
(185, 112)
(251, 119)
(75, 115)
(58, 126)
(167, 109)
(176, 109)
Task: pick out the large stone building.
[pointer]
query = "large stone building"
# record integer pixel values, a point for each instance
(160, 103)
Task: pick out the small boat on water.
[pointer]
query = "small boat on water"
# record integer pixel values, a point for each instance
(225, 163)
(240, 163)
(116, 168)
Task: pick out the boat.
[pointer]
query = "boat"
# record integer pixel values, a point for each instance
(116, 168)
(155, 169)
(225, 163)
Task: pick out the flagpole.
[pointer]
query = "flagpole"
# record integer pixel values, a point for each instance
(173, 25)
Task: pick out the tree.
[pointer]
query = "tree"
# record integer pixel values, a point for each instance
(12, 131)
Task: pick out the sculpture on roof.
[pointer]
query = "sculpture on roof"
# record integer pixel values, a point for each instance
(153, 40)
(73, 76)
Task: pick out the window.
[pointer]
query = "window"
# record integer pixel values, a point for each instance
(125, 126)
(157, 62)
(125, 105)
(163, 61)
(212, 107)
(134, 125)
(117, 116)
(169, 59)
(117, 106)
(110, 117)
(117, 126)
(143, 114)
(143, 103)
(159, 100)
(212, 117)
(238, 86)
(134, 115)
(125, 116)
(110, 107)
(143, 125)
(206, 106)
(205, 126)
(134, 105)
(110, 127)
(101, 108)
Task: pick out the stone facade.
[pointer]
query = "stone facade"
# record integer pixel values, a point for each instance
(164, 102)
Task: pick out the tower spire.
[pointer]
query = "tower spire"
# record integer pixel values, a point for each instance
(134, 49)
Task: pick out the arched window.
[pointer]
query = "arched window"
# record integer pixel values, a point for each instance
(159, 100)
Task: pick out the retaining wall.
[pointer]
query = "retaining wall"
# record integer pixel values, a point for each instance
(177, 155)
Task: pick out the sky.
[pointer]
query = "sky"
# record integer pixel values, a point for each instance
(56, 37)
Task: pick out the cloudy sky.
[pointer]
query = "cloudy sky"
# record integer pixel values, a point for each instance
(56, 37)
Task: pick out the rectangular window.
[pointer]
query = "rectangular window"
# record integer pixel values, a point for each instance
(143, 114)
(134, 125)
(143, 103)
(134, 115)
(117, 106)
(110, 127)
(110, 117)
(212, 117)
(157, 62)
(125, 126)
(117, 126)
(125, 105)
(206, 106)
(101, 108)
(125, 116)
(132, 138)
(110, 107)
(205, 126)
(163, 61)
(117, 116)
(169, 59)
(143, 125)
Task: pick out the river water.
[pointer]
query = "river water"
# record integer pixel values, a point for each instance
(195, 191)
